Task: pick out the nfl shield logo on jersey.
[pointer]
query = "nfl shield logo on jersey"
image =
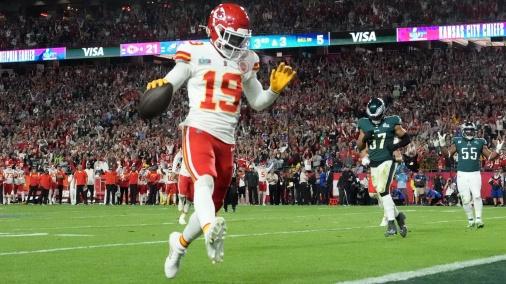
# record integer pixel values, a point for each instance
(204, 61)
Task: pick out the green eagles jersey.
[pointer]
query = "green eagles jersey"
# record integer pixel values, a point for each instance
(380, 149)
(469, 153)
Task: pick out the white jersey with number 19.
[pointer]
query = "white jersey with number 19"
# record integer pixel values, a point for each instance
(215, 87)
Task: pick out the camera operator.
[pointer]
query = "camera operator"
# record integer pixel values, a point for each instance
(348, 187)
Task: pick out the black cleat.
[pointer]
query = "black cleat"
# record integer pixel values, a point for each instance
(479, 224)
(391, 229)
(401, 221)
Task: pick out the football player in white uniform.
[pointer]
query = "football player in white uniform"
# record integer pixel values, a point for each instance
(185, 187)
(218, 73)
(9, 175)
(263, 189)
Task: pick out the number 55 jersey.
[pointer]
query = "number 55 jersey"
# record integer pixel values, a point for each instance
(469, 153)
(215, 86)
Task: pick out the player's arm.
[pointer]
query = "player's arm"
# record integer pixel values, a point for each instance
(178, 75)
(362, 140)
(444, 149)
(270, 167)
(176, 160)
(174, 79)
(364, 157)
(404, 138)
(260, 99)
(492, 155)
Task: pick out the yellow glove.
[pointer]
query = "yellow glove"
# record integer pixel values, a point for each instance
(281, 77)
(156, 83)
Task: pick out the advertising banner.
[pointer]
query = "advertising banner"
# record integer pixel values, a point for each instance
(363, 37)
(91, 52)
(27, 55)
(464, 31)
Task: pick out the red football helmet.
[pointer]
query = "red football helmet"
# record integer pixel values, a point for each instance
(228, 28)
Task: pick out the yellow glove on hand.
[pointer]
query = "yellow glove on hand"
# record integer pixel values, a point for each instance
(156, 83)
(281, 77)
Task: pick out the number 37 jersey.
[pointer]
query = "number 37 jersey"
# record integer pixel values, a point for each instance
(380, 148)
(215, 87)
(469, 153)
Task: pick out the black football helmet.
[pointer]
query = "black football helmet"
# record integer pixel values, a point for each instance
(376, 110)
(468, 130)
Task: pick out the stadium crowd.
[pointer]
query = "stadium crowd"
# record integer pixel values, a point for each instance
(111, 24)
(84, 115)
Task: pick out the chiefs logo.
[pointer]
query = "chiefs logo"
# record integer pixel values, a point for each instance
(219, 14)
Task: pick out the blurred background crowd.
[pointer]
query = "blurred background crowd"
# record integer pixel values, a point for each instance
(82, 112)
(115, 22)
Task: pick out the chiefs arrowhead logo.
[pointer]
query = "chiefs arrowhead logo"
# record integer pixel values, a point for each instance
(219, 14)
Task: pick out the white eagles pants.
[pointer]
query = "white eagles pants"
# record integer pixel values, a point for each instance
(382, 176)
(469, 185)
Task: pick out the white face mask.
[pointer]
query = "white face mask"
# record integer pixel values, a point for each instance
(232, 43)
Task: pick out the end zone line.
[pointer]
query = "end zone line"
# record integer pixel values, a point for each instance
(400, 276)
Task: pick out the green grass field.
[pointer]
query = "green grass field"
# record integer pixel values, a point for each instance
(98, 244)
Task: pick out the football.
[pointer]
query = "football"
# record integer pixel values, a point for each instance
(154, 101)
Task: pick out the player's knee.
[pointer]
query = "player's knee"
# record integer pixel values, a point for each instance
(466, 199)
(205, 181)
(384, 193)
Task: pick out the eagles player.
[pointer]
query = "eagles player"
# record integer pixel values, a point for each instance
(469, 149)
(377, 133)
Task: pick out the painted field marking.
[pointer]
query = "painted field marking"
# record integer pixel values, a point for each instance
(400, 276)
(164, 241)
(72, 235)
(23, 235)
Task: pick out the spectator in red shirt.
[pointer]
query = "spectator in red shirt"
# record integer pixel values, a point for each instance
(153, 179)
(133, 180)
(81, 178)
(111, 185)
(34, 185)
(44, 185)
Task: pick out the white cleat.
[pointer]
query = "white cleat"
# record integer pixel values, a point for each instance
(384, 222)
(214, 240)
(176, 252)
(470, 224)
(182, 221)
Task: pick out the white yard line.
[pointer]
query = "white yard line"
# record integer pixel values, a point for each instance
(10, 235)
(164, 223)
(23, 235)
(400, 276)
(462, 220)
(96, 226)
(164, 241)
(72, 235)
(79, 247)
